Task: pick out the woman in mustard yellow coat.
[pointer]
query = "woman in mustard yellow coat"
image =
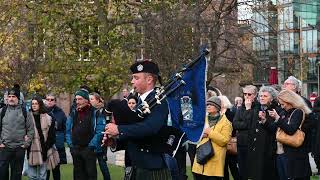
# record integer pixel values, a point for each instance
(218, 130)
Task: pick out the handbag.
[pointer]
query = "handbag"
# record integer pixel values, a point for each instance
(52, 158)
(294, 140)
(204, 152)
(232, 146)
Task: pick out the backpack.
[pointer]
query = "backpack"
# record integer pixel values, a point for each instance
(3, 113)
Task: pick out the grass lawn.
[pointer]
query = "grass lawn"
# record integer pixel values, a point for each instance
(66, 172)
(115, 171)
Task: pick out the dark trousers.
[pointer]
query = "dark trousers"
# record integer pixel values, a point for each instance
(203, 177)
(55, 173)
(172, 165)
(181, 160)
(232, 164)
(242, 161)
(103, 166)
(14, 158)
(282, 163)
(84, 163)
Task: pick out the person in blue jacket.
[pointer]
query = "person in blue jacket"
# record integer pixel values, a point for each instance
(83, 137)
(101, 117)
(60, 128)
(141, 146)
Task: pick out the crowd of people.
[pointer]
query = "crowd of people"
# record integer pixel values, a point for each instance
(32, 142)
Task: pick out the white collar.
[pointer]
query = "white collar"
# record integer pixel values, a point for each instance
(144, 95)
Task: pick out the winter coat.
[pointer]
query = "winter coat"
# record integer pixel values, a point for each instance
(243, 120)
(262, 147)
(37, 153)
(316, 109)
(298, 160)
(97, 129)
(219, 135)
(14, 121)
(60, 126)
(101, 121)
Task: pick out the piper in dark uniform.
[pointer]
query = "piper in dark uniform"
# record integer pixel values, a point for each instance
(140, 136)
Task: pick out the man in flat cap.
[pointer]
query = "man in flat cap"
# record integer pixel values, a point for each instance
(16, 133)
(146, 162)
(82, 136)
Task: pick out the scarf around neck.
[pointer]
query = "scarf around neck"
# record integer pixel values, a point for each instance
(213, 120)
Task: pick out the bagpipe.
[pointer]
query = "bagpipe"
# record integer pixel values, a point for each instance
(169, 138)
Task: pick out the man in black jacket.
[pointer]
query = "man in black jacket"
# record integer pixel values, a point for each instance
(60, 129)
(141, 147)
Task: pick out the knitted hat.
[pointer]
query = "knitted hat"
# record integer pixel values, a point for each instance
(14, 91)
(215, 101)
(83, 93)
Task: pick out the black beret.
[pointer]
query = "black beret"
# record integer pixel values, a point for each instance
(145, 66)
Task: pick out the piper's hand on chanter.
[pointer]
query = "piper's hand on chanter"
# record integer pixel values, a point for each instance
(111, 129)
(107, 140)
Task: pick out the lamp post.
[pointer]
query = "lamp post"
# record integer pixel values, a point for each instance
(301, 51)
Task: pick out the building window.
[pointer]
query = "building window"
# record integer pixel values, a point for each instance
(89, 40)
(286, 41)
(312, 68)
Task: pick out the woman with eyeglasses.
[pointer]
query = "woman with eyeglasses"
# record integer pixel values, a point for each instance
(261, 139)
(241, 123)
(295, 163)
(43, 140)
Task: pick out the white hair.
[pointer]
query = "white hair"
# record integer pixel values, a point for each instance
(252, 88)
(225, 103)
(296, 82)
(274, 93)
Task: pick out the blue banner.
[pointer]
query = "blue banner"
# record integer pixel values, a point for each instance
(188, 103)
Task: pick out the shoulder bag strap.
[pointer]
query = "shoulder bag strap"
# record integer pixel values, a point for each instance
(304, 115)
(303, 118)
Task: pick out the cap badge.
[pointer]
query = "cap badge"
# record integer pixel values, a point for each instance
(140, 67)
